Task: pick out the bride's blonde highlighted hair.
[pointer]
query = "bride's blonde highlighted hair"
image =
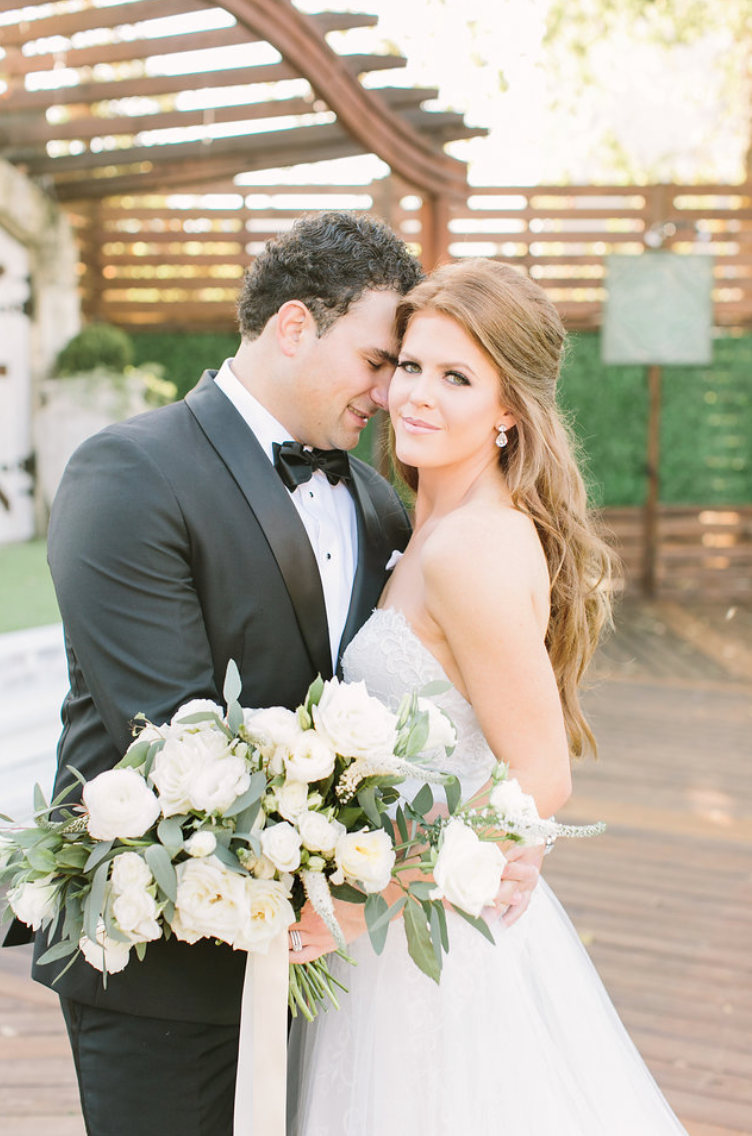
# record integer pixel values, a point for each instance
(516, 325)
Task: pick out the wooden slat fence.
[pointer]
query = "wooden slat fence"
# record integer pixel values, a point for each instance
(178, 259)
(702, 551)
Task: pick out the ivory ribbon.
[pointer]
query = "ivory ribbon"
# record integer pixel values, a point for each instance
(261, 1086)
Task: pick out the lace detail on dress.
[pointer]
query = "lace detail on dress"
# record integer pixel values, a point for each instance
(388, 656)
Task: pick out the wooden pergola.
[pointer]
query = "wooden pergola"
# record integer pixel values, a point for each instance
(110, 102)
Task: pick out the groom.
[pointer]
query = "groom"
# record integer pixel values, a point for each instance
(200, 533)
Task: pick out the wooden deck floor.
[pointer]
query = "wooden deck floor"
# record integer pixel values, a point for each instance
(663, 900)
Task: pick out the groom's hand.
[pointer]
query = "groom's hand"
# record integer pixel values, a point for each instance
(521, 875)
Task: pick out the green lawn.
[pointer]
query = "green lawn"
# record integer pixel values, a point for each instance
(27, 598)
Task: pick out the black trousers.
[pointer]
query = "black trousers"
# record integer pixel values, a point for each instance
(152, 1077)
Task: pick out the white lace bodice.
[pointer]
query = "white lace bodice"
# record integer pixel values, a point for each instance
(387, 655)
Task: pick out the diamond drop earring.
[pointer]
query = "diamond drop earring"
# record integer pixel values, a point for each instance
(501, 437)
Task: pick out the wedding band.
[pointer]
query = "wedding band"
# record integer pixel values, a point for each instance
(296, 943)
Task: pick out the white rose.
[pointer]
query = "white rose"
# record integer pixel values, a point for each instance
(105, 950)
(508, 799)
(365, 857)
(291, 799)
(273, 730)
(280, 843)
(310, 758)
(196, 706)
(319, 834)
(269, 913)
(136, 914)
(354, 723)
(441, 732)
(218, 783)
(201, 844)
(34, 902)
(211, 901)
(129, 870)
(120, 804)
(180, 763)
(468, 870)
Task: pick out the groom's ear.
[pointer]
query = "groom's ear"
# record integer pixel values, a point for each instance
(294, 323)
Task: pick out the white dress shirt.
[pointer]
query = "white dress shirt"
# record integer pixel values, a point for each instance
(327, 511)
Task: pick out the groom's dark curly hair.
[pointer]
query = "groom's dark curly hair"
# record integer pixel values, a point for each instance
(327, 261)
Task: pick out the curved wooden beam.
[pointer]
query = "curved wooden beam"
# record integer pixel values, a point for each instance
(360, 112)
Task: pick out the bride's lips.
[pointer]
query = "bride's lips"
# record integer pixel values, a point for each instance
(417, 425)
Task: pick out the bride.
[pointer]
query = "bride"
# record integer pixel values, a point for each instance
(503, 590)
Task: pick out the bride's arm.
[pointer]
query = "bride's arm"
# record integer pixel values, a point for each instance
(487, 592)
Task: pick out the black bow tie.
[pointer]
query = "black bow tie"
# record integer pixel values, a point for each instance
(295, 464)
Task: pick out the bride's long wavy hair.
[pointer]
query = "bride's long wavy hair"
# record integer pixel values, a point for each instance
(516, 325)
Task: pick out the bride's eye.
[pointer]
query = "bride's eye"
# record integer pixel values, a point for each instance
(457, 379)
(408, 366)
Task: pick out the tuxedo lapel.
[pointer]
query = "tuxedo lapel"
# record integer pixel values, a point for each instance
(370, 572)
(270, 503)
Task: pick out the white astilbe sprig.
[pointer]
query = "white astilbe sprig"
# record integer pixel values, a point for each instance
(387, 766)
(317, 891)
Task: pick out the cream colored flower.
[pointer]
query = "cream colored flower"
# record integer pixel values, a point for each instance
(310, 758)
(280, 843)
(129, 870)
(105, 950)
(319, 834)
(354, 723)
(365, 857)
(269, 913)
(468, 870)
(34, 902)
(120, 805)
(211, 901)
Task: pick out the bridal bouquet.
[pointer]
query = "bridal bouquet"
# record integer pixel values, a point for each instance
(219, 824)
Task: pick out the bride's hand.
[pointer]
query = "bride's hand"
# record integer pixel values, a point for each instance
(521, 875)
(317, 939)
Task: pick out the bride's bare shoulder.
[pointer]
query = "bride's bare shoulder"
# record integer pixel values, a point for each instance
(477, 535)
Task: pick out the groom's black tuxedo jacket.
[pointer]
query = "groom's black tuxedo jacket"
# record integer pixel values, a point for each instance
(174, 547)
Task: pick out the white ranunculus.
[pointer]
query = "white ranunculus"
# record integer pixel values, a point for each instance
(218, 783)
(508, 799)
(34, 902)
(196, 706)
(354, 723)
(129, 870)
(319, 834)
(211, 901)
(280, 843)
(291, 799)
(365, 857)
(120, 804)
(273, 731)
(441, 732)
(269, 913)
(105, 950)
(136, 913)
(181, 762)
(468, 870)
(201, 844)
(310, 758)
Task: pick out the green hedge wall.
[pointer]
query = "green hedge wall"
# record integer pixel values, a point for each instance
(706, 417)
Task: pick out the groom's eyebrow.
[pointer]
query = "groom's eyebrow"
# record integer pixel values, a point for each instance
(382, 356)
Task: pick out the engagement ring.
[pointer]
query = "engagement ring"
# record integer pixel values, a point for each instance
(296, 943)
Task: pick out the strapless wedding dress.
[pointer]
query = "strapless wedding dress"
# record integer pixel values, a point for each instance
(518, 1039)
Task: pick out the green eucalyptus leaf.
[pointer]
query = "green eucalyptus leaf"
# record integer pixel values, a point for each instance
(160, 862)
(233, 685)
(245, 820)
(422, 889)
(140, 949)
(436, 937)
(315, 690)
(376, 906)
(229, 859)
(98, 853)
(79, 777)
(41, 860)
(347, 893)
(40, 801)
(58, 951)
(418, 736)
(401, 823)
(234, 717)
(422, 802)
(436, 686)
(453, 791)
(252, 794)
(419, 945)
(443, 931)
(170, 834)
(94, 902)
(135, 756)
(367, 801)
